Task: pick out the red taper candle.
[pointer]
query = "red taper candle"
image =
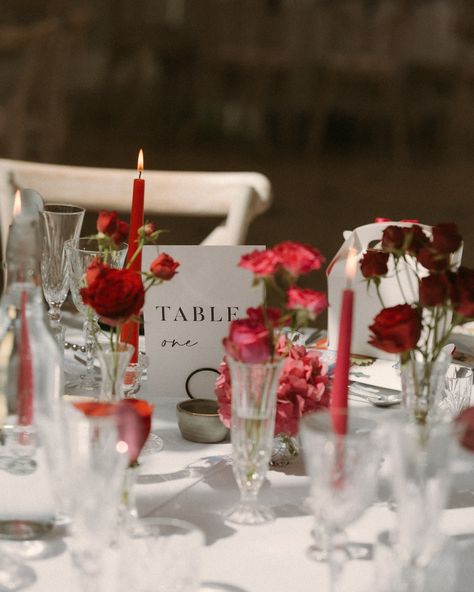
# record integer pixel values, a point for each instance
(339, 393)
(130, 331)
(25, 370)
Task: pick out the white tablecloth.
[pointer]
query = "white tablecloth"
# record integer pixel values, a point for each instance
(194, 482)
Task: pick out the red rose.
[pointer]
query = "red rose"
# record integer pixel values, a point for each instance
(298, 258)
(115, 294)
(393, 239)
(416, 239)
(462, 291)
(248, 341)
(133, 421)
(107, 222)
(121, 233)
(465, 421)
(434, 290)
(431, 260)
(260, 263)
(94, 270)
(446, 238)
(305, 299)
(396, 329)
(164, 267)
(374, 263)
(134, 424)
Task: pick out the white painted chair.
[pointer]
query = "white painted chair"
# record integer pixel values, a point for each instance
(236, 197)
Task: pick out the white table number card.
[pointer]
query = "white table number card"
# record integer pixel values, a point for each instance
(187, 317)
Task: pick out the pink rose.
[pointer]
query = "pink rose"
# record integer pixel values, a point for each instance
(298, 258)
(272, 316)
(305, 299)
(260, 263)
(248, 341)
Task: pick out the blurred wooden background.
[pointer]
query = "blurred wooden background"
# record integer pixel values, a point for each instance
(353, 108)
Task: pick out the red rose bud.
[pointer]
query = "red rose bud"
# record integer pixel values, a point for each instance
(396, 329)
(121, 233)
(374, 263)
(107, 222)
(462, 291)
(134, 424)
(115, 295)
(248, 341)
(431, 260)
(164, 267)
(309, 300)
(415, 239)
(298, 258)
(149, 229)
(434, 290)
(393, 239)
(260, 263)
(446, 238)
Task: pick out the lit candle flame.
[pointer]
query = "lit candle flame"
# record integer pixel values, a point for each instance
(140, 161)
(17, 204)
(351, 265)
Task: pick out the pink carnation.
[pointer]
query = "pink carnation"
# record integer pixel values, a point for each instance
(305, 299)
(303, 388)
(298, 258)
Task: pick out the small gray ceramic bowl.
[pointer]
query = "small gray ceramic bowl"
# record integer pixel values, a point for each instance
(199, 421)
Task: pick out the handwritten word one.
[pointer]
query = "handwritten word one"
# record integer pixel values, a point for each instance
(197, 314)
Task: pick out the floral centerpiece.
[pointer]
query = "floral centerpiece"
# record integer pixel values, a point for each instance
(118, 295)
(436, 297)
(265, 336)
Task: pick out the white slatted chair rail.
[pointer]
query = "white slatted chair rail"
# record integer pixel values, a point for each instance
(237, 197)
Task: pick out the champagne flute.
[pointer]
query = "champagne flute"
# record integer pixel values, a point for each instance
(59, 222)
(80, 253)
(254, 389)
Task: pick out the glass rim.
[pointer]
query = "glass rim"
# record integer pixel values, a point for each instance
(50, 208)
(73, 244)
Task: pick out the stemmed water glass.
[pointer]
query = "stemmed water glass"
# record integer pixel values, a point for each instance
(80, 253)
(93, 474)
(342, 469)
(420, 461)
(60, 222)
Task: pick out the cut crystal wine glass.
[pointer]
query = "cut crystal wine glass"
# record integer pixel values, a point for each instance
(80, 253)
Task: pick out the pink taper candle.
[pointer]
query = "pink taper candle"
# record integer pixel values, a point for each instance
(340, 385)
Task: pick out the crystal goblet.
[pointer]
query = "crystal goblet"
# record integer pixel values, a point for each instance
(60, 222)
(80, 253)
(342, 470)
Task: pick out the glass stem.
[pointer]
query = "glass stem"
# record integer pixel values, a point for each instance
(249, 498)
(54, 313)
(338, 558)
(89, 329)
